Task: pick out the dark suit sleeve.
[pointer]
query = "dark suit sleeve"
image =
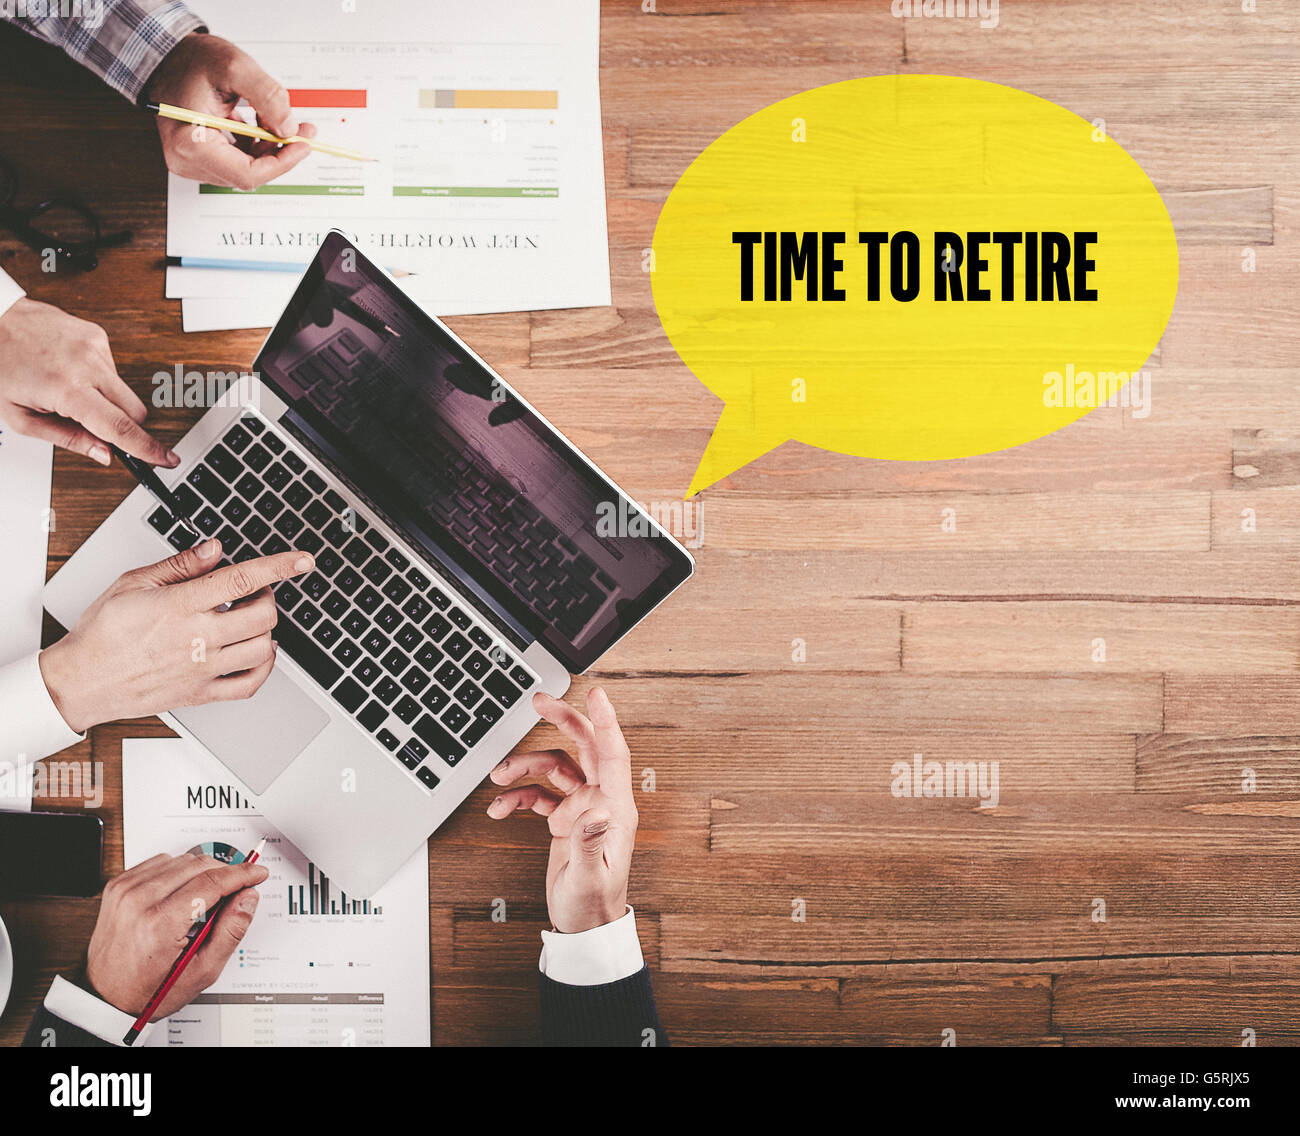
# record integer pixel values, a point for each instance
(619, 1013)
(48, 1030)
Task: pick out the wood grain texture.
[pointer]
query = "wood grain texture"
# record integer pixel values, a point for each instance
(835, 626)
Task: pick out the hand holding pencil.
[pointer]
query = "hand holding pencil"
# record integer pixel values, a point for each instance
(145, 924)
(209, 75)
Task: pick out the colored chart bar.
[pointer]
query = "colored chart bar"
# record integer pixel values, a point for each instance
(301, 98)
(489, 100)
(275, 190)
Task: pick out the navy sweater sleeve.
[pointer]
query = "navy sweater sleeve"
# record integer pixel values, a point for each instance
(619, 1013)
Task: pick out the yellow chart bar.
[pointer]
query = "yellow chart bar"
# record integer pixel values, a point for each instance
(494, 100)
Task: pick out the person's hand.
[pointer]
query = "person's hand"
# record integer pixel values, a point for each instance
(156, 640)
(142, 924)
(209, 74)
(591, 811)
(58, 382)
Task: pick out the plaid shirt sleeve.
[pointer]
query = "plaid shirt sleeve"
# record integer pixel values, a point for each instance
(121, 41)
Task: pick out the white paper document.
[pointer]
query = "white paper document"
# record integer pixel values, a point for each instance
(25, 521)
(488, 186)
(317, 967)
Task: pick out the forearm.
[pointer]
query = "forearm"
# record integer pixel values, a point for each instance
(121, 41)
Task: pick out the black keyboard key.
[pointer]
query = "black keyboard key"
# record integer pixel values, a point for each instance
(335, 502)
(230, 540)
(457, 646)
(373, 716)
(347, 652)
(317, 515)
(297, 495)
(256, 457)
(315, 585)
(427, 656)
(299, 647)
(409, 637)
(376, 539)
(277, 477)
(274, 444)
(289, 525)
(274, 545)
(397, 589)
(416, 608)
(387, 740)
(161, 520)
(428, 778)
(476, 731)
(522, 677)
(354, 623)
(417, 749)
(227, 466)
(357, 551)
(395, 662)
(469, 693)
(368, 599)
(476, 665)
(387, 690)
(499, 656)
(459, 618)
(367, 670)
(287, 596)
(252, 424)
(294, 462)
(235, 510)
(440, 601)
(415, 680)
(248, 552)
(397, 560)
(448, 675)
(437, 738)
(308, 541)
(329, 562)
(480, 638)
(208, 484)
(307, 615)
(375, 642)
(181, 538)
(188, 501)
(436, 628)
(501, 688)
(237, 438)
(269, 505)
(419, 581)
(347, 581)
(488, 711)
(408, 757)
(407, 709)
(455, 718)
(314, 479)
(377, 571)
(335, 605)
(256, 530)
(249, 487)
(337, 534)
(389, 617)
(327, 634)
(350, 695)
(435, 699)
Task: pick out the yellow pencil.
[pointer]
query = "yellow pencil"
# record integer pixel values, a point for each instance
(234, 126)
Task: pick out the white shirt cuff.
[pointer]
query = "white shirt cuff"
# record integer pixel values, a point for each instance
(31, 726)
(592, 958)
(10, 293)
(82, 1009)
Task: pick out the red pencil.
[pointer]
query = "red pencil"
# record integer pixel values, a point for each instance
(183, 959)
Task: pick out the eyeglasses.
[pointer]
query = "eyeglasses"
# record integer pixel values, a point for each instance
(62, 225)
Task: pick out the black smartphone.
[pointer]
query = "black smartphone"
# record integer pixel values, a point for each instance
(51, 854)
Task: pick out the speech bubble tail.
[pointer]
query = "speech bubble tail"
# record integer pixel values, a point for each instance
(736, 441)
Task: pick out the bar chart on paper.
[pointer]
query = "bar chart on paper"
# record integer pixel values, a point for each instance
(318, 966)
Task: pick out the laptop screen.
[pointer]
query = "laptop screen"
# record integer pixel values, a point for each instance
(448, 453)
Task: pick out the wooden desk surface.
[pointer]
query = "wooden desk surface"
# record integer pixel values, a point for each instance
(1120, 782)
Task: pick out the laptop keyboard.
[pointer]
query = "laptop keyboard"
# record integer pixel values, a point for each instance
(412, 666)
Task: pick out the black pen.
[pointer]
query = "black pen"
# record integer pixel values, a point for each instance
(144, 474)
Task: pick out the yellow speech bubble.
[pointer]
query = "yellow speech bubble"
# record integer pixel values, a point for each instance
(1002, 268)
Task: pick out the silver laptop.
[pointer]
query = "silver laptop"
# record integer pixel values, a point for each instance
(467, 557)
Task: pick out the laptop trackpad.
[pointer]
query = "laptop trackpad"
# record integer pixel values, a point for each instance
(259, 737)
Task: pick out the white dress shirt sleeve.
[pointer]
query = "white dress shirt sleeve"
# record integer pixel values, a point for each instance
(82, 1009)
(10, 293)
(31, 726)
(593, 958)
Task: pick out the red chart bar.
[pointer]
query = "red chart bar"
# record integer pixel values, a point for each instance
(303, 99)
